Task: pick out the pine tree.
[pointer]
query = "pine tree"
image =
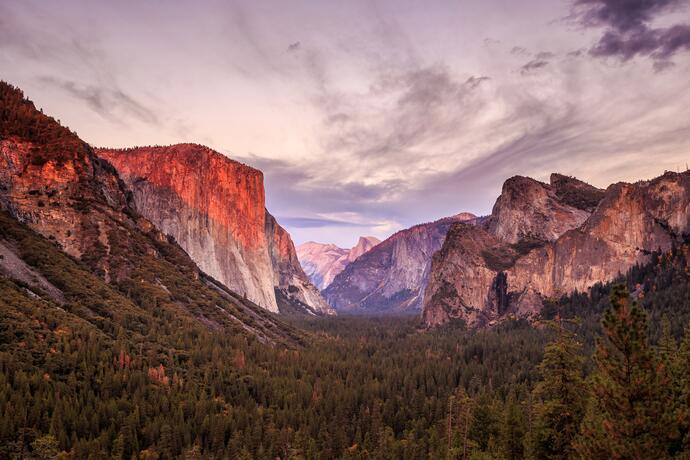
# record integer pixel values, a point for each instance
(166, 443)
(627, 417)
(681, 376)
(513, 430)
(561, 396)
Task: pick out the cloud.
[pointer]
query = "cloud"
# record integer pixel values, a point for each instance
(533, 65)
(473, 81)
(544, 55)
(628, 31)
(519, 51)
(315, 222)
(106, 101)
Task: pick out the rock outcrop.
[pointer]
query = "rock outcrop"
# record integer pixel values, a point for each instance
(291, 285)
(529, 210)
(537, 244)
(322, 262)
(391, 277)
(214, 208)
(54, 188)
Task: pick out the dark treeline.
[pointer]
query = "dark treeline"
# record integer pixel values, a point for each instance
(604, 376)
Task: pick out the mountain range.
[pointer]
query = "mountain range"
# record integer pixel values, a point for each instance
(547, 240)
(392, 276)
(73, 244)
(74, 235)
(118, 212)
(322, 262)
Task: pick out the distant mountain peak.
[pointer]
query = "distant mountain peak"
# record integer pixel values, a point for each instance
(391, 277)
(324, 261)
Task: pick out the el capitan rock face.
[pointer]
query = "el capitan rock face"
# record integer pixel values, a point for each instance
(322, 262)
(52, 184)
(530, 251)
(390, 278)
(214, 207)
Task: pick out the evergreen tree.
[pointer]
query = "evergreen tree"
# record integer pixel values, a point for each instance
(681, 375)
(513, 430)
(561, 396)
(628, 417)
(45, 447)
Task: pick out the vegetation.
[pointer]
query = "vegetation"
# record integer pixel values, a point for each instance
(573, 192)
(20, 119)
(162, 362)
(77, 379)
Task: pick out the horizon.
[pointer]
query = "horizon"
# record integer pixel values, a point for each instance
(369, 118)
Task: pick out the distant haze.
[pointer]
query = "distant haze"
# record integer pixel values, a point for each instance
(370, 116)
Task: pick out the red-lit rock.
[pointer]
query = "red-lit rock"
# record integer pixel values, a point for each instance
(214, 207)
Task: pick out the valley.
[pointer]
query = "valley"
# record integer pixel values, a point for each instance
(153, 308)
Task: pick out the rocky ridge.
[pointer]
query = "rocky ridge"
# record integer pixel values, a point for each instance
(58, 199)
(544, 240)
(322, 262)
(391, 277)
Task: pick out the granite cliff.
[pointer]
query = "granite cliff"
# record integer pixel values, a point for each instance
(322, 262)
(391, 277)
(214, 208)
(58, 198)
(545, 240)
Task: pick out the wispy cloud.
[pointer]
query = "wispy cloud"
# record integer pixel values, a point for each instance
(109, 102)
(369, 116)
(315, 222)
(533, 65)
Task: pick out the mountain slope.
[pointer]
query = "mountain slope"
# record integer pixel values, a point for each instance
(390, 278)
(214, 207)
(545, 248)
(322, 262)
(53, 183)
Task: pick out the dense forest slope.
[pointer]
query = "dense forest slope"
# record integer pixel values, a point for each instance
(545, 240)
(359, 388)
(214, 207)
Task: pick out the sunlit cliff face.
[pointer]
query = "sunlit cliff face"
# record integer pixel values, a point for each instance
(214, 208)
(367, 117)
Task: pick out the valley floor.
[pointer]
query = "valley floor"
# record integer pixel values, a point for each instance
(351, 387)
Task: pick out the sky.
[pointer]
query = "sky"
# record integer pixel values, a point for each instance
(367, 117)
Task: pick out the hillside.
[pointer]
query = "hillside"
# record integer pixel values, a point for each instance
(56, 186)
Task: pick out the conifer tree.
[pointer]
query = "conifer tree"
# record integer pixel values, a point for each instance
(682, 395)
(627, 417)
(561, 396)
(513, 430)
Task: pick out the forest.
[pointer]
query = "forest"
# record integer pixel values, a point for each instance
(600, 375)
